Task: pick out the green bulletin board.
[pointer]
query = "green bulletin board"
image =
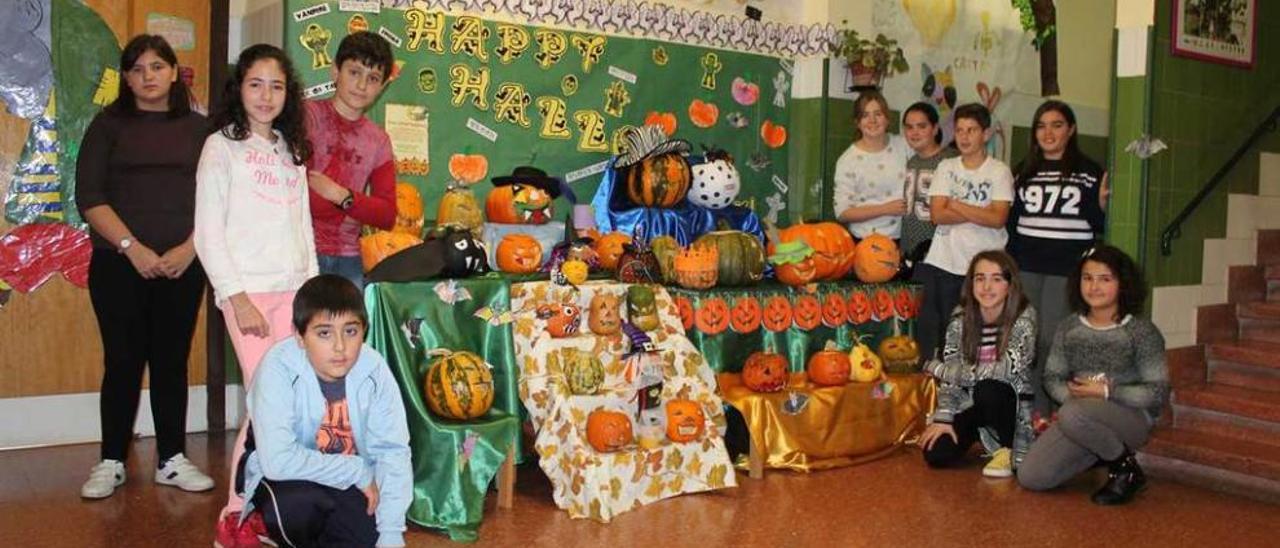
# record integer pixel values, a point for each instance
(557, 99)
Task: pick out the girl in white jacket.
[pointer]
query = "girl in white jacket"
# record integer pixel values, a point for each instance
(252, 218)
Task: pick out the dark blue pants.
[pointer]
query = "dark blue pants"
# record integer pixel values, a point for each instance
(302, 513)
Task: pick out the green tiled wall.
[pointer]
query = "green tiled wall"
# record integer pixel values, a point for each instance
(1124, 214)
(1203, 111)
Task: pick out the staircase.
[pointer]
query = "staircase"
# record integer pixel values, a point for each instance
(1222, 428)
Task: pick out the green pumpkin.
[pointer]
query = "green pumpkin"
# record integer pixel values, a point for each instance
(459, 386)
(642, 308)
(665, 249)
(583, 371)
(741, 256)
(658, 181)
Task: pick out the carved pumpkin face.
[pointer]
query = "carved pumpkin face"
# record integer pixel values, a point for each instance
(904, 303)
(833, 247)
(563, 320)
(519, 254)
(882, 304)
(685, 307)
(829, 366)
(464, 255)
(713, 316)
(806, 312)
(793, 263)
(575, 271)
(859, 308)
(745, 317)
(866, 365)
(900, 353)
(777, 314)
(833, 309)
(638, 264)
(642, 309)
(458, 206)
(765, 371)
(876, 259)
(608, 431)
(518, 204)
(609, 249)
(697, 267)
(685, 421)
(606, 316)
(408, 209)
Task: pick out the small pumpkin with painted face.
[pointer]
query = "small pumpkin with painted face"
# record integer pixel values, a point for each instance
(519, 254)
(563, 320)
(605, 314)
(685, 421)
(608, 431)
(642, 308)
(765, 371)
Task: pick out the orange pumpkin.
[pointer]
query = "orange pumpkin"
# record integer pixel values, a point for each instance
(793, 262)
(408, 209)
(664, 120)
(859, 308)
(563, 320)
(806, 312)
(833, 247)
(608, 431)
(777, 314)
(901, 353)
(382, 244)
(518, 204)
(765, 371)
(773, 135)
(685, 421)
(713, 316)
(833, 310)
(876, 259)
(606, 314)
(609, 249)
(702, 114)
(745, 317)
(519, 254)
(904, 303)
(468, 168)
(686, 311)
(882, 304)
(458, 206)
(829, 366)
(697, 267)
(660, 180)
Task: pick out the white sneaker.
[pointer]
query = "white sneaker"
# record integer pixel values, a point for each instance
(103, 479)
(179, 472)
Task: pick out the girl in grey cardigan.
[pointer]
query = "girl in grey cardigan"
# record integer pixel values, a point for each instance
(1106, 367)
(985, 391)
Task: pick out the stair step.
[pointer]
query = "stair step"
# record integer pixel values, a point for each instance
(1266, 379)
(1203, 421)
(1254, 330)
(1248, 352)
(1259, 320)
(1272, 272)
(1222, 452)
(1233, 400)
(1210, 478)
(1259, 310)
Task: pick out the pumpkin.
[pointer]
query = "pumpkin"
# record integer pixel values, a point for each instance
(519, 254)
(468, 168)
(777, 314)
(642, 308)
(609, 249)
(833, 310)
(459, 385)
(697, 267)
(833, 247)
(665, 249)
(660, 180)
(806, 312)
(608, 431)
(382, 244)
(793, 263)
(859, 307)
(464, 254)
(773, 135)
(765, 371)
(741, 256)
(713, 316)
(876, 259)
(575, 271)
(716, 182)
(665, 120)
(638, 264)
(685, 421)
(582, 370)
(408, 209)
(745, 317)
(685, 307)
(865, 365)
(518, 204)
(458, 206)
(882, 304)
(605, 314)
(904, 304)
(563, 320)
(901, 353)
(703, 114)
(829, 366)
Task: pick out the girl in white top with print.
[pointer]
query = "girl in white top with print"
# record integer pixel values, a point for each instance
(869, 175)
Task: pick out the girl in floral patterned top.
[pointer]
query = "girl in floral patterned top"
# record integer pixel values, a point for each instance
(869, 175)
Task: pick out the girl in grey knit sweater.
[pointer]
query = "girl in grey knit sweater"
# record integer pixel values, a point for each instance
(1106, 367)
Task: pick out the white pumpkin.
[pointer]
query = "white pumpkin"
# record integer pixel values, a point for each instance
(716, 182)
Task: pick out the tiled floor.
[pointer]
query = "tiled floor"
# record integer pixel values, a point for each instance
(892, 502)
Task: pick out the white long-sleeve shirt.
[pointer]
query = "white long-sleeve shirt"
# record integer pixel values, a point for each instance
(253, 220)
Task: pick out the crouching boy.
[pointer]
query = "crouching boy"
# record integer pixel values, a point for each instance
(330, 463)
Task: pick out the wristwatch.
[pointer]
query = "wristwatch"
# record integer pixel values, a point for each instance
(124, 244)
(349, 201)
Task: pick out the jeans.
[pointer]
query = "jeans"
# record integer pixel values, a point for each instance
(348, 267)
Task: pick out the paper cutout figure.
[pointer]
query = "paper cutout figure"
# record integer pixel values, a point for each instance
(616, 98)
(1145, 146)
(427, 80)
(781, 86)
(569, 85)
(710, 67)
(316, 39)
(660, 56)
(495, 316)
(26, 70)
(450, 292)
(745, 93)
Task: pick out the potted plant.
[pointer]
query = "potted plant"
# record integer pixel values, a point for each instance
(869, 61)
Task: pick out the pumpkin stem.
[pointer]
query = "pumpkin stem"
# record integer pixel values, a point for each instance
(897, 329)
(831, 345)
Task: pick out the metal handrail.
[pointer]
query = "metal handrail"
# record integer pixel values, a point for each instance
(1174, 229)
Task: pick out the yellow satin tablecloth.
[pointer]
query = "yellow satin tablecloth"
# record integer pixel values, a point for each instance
(839, 426)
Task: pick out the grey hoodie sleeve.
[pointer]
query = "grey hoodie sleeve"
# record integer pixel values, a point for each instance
(1152, 387)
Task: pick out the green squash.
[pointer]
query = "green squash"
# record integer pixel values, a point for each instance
(741, 256)
(665, 249)
(583, 372)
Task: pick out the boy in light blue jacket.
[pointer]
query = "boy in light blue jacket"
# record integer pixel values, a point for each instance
(331, 463)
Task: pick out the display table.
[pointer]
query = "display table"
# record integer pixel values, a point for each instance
(837, 426)
(453, 461)
(588, 483)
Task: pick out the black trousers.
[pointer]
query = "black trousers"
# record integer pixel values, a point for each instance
(941, 294)
(144, 324)
(995, 405)
(302, 513)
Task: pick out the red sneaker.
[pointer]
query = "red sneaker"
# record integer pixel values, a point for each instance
(259, 528)
(230, 533)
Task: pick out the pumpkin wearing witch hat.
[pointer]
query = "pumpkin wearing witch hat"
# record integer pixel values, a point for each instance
(524, 197)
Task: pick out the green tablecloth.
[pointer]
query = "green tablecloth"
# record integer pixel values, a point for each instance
(453, 461)
(728, 343)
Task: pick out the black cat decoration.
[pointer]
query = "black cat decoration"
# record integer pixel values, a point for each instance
(450, 252)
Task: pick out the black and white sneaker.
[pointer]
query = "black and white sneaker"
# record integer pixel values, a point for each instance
(179, 472)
